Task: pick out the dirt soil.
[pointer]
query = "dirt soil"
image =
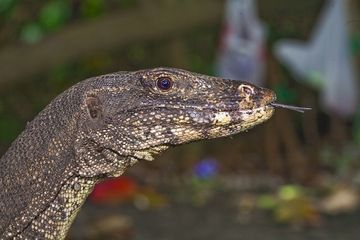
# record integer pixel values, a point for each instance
(219, 219)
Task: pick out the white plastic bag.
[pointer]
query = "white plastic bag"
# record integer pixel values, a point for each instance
(242, 43)
(325, 61)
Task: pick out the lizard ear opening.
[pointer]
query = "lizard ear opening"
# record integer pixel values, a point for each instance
(94, 106)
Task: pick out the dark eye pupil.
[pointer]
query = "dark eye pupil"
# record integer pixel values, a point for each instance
(164, 83)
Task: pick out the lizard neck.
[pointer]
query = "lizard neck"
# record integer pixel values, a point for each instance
(42, 181)
(37, 169)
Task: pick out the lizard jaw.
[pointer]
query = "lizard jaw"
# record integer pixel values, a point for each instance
(253, 116)
(229, 123)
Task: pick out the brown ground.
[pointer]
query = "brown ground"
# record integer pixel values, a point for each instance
(219, 219)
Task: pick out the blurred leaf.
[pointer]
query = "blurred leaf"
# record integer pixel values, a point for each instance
(291, 205)
(202, 190)
(289, 192)
(31, 33)
(297, 211)
(343, 160)
(6, 5)
(284, 93)
(268, 202)
(54, 14)
(92, 8)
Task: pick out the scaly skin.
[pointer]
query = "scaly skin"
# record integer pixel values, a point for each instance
(100, 127)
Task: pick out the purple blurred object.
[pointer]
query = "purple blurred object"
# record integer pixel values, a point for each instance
(206, 168)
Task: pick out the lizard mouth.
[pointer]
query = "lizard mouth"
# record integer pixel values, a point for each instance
(244, 119)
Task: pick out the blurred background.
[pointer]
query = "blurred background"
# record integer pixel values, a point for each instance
(295, 177)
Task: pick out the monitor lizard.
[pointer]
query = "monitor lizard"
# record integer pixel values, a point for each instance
(103, 125)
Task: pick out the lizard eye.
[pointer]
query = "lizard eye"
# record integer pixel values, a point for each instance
(164, 83)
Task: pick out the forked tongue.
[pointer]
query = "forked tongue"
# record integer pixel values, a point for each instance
(294, 108)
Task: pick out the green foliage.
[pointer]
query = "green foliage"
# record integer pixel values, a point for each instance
(291, 204)
(289, 192)
(92, 8)
(343, 161)
(284, 93)
(202, 190)
(31, 33)
(267, 202)
(54, 14)
(5, 5)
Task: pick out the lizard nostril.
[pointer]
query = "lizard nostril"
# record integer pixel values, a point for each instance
(246, 89)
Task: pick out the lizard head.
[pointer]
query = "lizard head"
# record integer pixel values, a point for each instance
(142, 113)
